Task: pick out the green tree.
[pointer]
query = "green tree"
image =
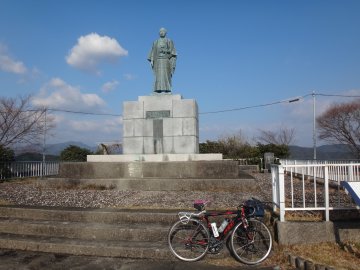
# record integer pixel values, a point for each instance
(280, 151)
(233, 146)
(210, 147)
(74, 153)
(6, 154)
(236, 147)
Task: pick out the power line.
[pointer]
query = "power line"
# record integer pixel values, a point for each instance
(203, 113)
(257, 106)
(87, 113)
(346, 96)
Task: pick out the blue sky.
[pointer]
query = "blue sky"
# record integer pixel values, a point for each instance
(91, 56)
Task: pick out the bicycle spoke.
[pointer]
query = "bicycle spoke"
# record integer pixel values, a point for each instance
(251, 245)
(188, 242)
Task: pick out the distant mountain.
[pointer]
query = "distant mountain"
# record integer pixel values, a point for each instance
(55, 149)
(326, 152)
(35, 157)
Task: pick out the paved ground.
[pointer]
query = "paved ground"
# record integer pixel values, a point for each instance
(25, 260)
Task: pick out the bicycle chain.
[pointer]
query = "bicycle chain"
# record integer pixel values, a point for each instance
(215, 245)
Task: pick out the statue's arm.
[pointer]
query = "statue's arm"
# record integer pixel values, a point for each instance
(151, 60)
(173, 56)
(173, 64)
(151, 55)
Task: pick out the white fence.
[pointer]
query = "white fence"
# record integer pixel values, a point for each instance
(312, 186)
(28, 169)
(341, 171)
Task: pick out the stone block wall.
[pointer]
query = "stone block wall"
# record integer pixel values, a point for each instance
(160, 124)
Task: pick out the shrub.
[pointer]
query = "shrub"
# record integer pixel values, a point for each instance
(6, 154)
(74, 153)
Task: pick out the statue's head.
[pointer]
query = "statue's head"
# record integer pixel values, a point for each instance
(162, 32)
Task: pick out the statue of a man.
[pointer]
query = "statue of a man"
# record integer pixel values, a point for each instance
(162, 58)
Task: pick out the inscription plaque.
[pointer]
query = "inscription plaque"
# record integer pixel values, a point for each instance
(157, 114)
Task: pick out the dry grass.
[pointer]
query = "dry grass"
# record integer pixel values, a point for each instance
(330, 254)
(24, 181)
(327, 254)
(74, 186)
(276, 258)
(4, 202)
(304, 216)
(344, 256)
(69, 186)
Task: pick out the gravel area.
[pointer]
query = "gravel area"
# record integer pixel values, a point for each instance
(33, 192)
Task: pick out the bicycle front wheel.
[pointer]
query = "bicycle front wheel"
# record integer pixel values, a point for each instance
(189, 241)
(253, 244)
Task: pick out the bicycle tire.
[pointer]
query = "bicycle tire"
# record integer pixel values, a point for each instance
(251, 245)
(189, 242)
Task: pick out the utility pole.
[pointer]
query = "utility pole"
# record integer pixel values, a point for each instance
(314, 124)
(44, 145)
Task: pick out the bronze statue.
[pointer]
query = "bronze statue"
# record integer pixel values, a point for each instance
(162, 58)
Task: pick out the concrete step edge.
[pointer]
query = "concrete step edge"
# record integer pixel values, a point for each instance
(107, 216)
(143, 250)
(87, 231)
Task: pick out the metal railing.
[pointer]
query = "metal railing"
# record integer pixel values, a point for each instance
(10, 170)
(338, 172)
(312, 186)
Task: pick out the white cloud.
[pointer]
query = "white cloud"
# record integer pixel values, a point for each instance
(8, 64)
(109, 86)
(92, 49)
(129, 77)
(304, 108)
(110, 125)
(60, 95)
(86, 126)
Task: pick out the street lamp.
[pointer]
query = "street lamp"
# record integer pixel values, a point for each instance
(294, 100)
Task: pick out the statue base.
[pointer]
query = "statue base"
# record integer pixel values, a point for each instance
(154, 157)
(160, 124)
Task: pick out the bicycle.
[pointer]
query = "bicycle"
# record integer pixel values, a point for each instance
(193, 235)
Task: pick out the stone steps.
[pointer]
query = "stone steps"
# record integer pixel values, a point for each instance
(85, 231)
(60, 245)
(111, 233)
(89, 215)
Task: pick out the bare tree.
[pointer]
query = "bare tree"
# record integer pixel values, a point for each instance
(109, 148)
(19, 124)
(284, 136)
(236, 146)
(341, 124)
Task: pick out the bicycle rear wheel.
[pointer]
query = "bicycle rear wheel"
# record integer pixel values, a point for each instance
(189, 242)
(251, 245)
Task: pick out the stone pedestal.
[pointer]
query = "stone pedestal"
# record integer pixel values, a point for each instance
(153, 157)
(160, 124)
